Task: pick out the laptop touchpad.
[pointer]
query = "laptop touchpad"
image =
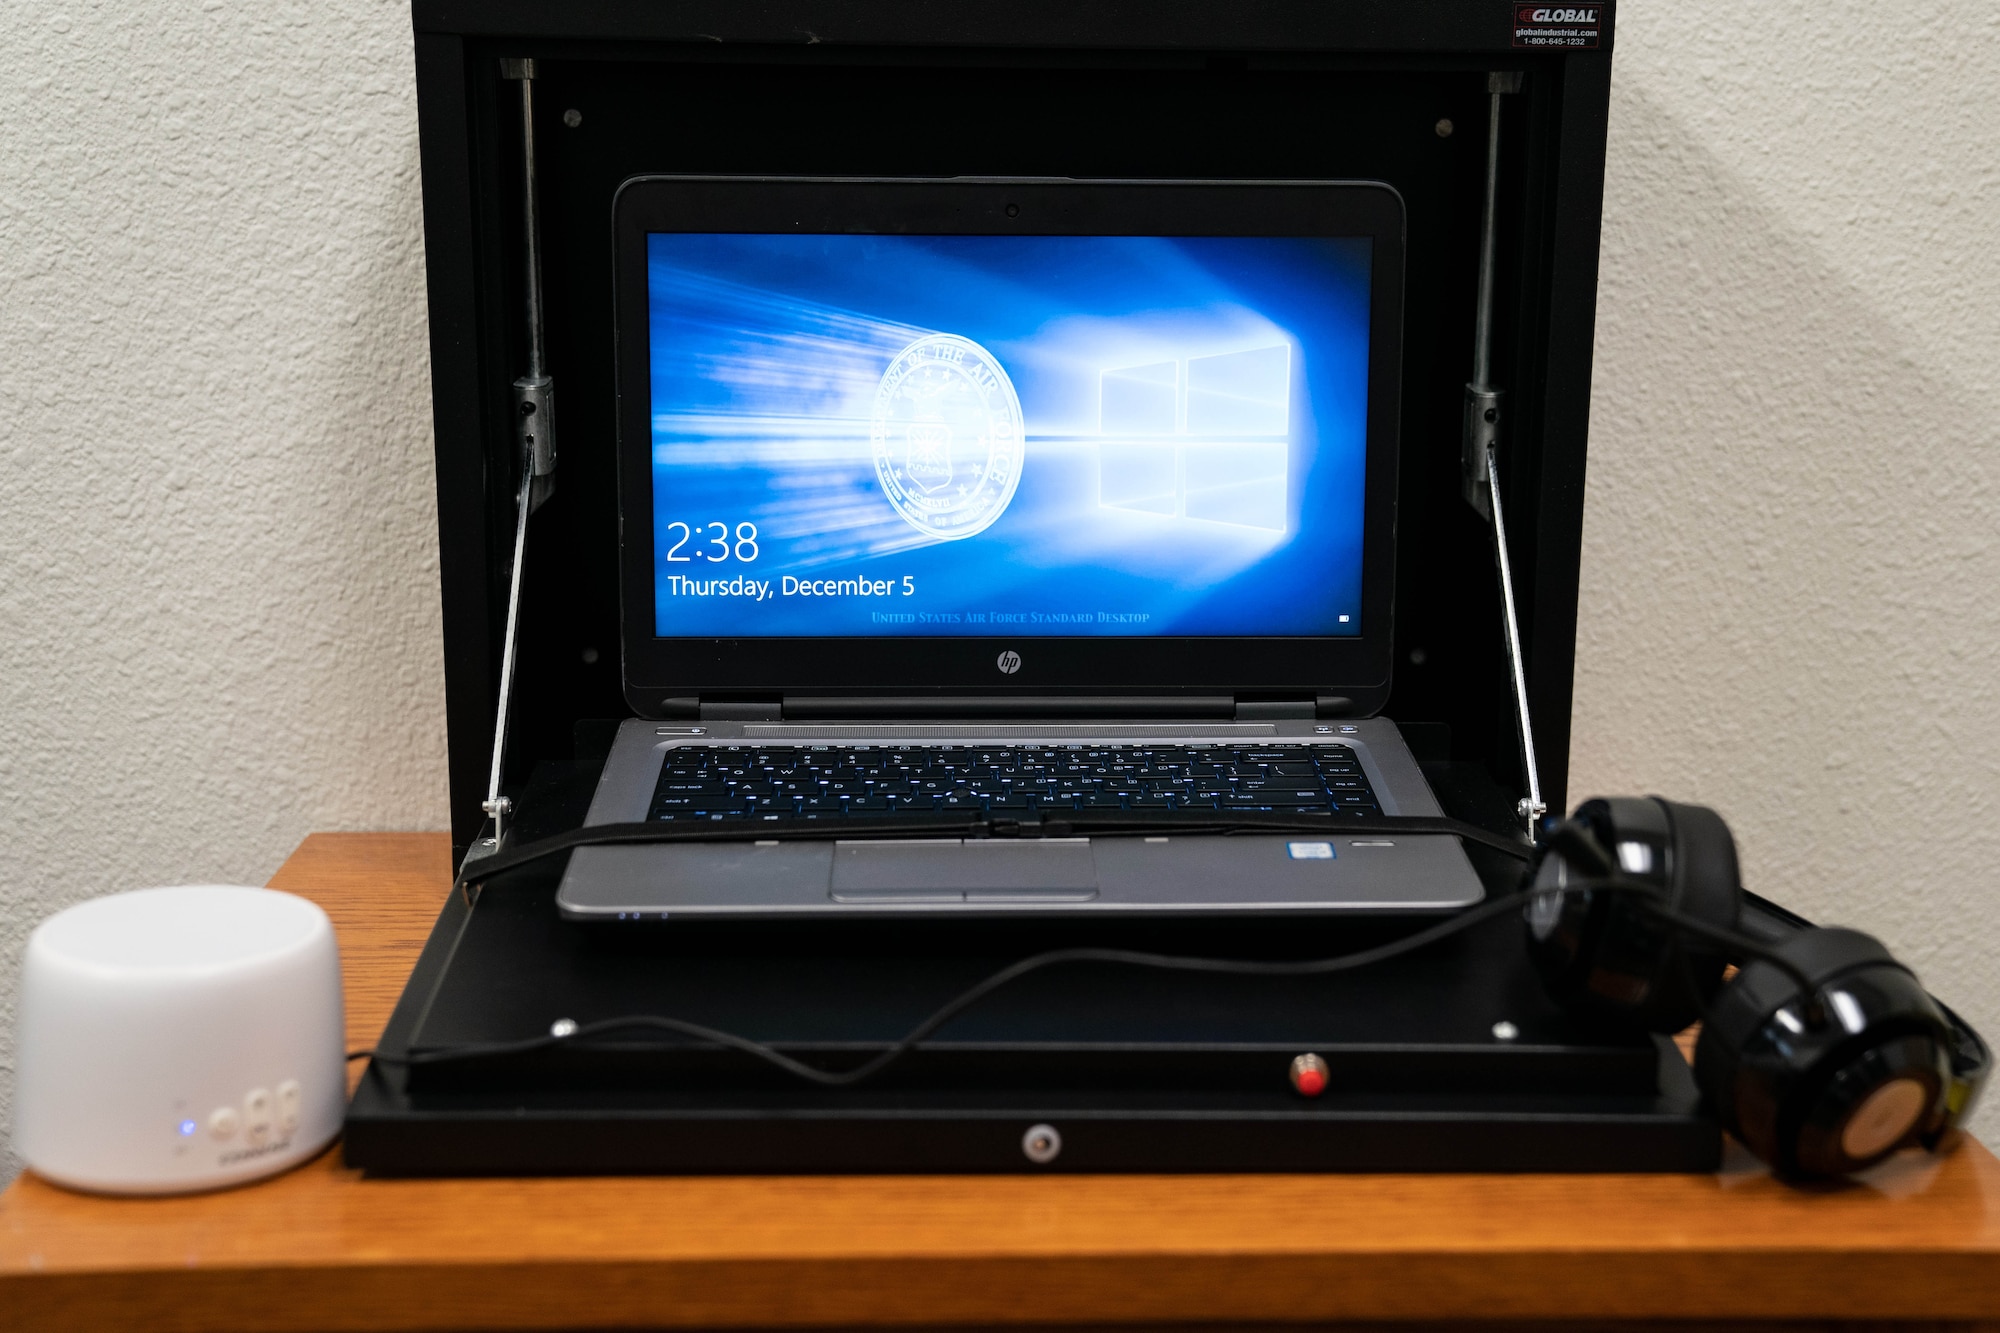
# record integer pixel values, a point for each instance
(948, 870)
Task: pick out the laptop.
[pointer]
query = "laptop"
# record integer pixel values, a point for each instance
(1018, 501)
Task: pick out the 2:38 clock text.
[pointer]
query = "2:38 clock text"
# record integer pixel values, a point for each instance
(715, 547)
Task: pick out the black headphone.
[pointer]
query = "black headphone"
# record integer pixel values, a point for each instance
(1823, 1054)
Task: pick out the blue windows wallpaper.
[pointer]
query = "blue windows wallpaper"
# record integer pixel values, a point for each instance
(1020, 436)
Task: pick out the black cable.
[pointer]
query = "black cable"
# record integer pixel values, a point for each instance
(958, 1004)
(1109, 824)
(612, 834)
(965, 999)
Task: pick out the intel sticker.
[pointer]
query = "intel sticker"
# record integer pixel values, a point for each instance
(1310, 851)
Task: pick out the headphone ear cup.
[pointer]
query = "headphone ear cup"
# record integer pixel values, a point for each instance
(1600, 952)
(1832, 1093)
(1707, 884)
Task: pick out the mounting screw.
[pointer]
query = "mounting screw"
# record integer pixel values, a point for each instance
(1309, 1074)
(1444, 129)
(1505, 1031)
(1042, 1144)
(563, 1027)
(572, 118)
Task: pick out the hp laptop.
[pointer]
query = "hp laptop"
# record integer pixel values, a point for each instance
(1027, 500)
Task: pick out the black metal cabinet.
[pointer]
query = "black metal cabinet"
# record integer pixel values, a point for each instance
(1393, 90)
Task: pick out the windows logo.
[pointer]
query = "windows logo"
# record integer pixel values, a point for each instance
(1207, 437)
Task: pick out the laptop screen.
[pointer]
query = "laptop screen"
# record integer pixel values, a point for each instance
(981, 436)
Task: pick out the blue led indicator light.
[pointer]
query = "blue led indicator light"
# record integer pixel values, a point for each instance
(187, 1129)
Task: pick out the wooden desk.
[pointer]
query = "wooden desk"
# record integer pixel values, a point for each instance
(321, 1248)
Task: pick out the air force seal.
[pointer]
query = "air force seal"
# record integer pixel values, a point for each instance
(947, 432)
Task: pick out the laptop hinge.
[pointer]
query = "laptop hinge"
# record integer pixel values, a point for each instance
(815, 707)
(1273, 710)
(1282, 710)
(742, 710)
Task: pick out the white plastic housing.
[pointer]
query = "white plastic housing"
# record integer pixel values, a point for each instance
(179, 1039)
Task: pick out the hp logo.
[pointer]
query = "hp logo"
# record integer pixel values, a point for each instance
(1009, 663)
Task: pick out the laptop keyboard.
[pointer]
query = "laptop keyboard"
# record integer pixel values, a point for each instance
(851, 782)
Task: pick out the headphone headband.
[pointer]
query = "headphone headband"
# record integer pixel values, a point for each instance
(1971, 1063)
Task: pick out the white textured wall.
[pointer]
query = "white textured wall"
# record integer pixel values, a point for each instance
(1791, 558)
(218, 608)
(218, 567)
